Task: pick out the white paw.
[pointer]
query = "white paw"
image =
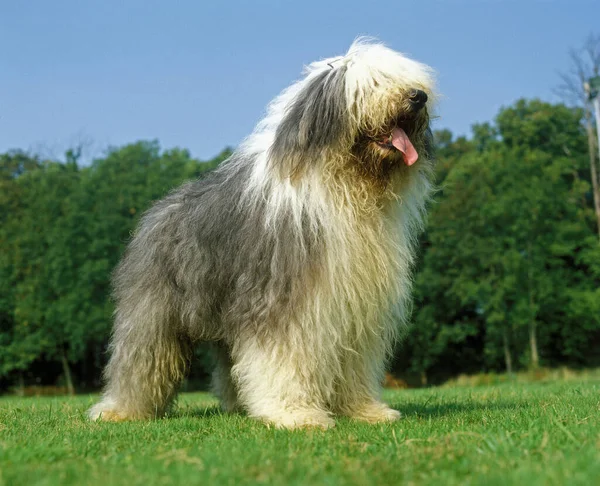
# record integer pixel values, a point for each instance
(375, 413)
(301, 420)
(106, 411)
(391, 415)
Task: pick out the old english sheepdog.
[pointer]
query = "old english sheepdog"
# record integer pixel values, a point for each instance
(293, 257)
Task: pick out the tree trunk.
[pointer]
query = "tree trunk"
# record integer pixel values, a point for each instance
(533, 346)
(593, 166)
(67, 373)
(20, 392)
(507, 355)
(535, 358)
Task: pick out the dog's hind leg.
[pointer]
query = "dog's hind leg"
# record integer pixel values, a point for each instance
(222, 382)
(148, 361)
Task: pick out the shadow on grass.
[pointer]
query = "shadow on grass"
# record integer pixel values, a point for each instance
(442, 409)
(407, 409)
(203, 412)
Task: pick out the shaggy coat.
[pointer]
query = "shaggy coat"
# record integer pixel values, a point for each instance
(293, 257)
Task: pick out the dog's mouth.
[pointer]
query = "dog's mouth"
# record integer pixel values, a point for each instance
(398, 140)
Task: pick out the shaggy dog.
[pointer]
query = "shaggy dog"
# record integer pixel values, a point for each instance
(293, 257)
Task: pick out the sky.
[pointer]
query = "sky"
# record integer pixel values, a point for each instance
(197, 74)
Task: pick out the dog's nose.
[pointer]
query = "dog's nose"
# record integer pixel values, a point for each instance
(417, 98)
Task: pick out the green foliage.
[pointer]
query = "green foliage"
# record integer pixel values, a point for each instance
(494, 435)
(510, 255)
(63, 232)
(508, 275)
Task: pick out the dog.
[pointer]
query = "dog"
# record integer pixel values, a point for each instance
(293, 257)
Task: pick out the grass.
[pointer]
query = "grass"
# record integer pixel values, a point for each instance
(536, 433)
(530, 376)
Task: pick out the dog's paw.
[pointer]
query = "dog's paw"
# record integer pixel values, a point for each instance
(230, 406)
(375, 413)
(301, 419)
(389, 415)
(106, 412)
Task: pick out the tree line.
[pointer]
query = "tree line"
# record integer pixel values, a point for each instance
(508, 275)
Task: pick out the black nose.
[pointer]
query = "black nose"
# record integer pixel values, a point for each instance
(418, 98)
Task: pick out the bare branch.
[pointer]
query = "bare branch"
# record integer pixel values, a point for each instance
(584, 63)
(592, 49)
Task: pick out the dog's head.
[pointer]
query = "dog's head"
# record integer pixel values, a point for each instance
(370, 108)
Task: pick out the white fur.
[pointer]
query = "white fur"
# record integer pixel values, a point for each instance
(332, 357)
(353, 321)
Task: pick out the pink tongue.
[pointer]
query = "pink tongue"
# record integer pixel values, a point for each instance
(401, 141)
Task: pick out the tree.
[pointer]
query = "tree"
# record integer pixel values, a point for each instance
(507, 265)
(13, 166)
(585, 63)
(42, 198)
(63, 231)
(445, 338)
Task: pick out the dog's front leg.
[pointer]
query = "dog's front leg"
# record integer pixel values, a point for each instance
(358, 392)
(281, 382)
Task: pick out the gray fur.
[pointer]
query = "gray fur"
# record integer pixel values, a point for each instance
(288, 258)
(202, 267)
(316, 121)
(218, 268)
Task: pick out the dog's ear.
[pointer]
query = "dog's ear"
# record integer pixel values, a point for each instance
(315, 120)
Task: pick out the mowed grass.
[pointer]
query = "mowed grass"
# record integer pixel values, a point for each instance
(544, 433)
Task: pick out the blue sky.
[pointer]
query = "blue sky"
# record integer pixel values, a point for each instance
(198, 74)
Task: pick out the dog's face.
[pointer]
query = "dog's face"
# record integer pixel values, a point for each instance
(401, 141)
(370, 108)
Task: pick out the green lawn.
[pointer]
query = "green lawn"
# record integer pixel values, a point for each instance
(526, 434)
